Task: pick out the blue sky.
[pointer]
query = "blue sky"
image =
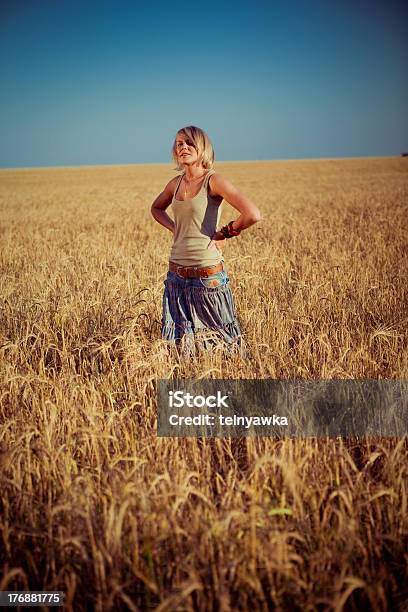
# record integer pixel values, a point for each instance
(111, 82)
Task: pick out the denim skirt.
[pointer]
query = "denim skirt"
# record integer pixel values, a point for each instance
(200, 311)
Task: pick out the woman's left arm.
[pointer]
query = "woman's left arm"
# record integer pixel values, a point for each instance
(249, 212)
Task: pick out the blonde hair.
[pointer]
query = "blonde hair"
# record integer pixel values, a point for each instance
(201, 143)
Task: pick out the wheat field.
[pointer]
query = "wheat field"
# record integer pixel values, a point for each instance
(92, 502)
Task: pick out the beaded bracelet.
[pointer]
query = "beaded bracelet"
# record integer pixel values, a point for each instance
(229, 232)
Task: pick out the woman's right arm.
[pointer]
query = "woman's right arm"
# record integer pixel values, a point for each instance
(162, 202)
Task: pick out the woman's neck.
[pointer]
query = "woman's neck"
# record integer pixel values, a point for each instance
(193, 172)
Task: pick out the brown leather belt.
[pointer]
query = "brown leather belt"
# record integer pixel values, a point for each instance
(192, 272)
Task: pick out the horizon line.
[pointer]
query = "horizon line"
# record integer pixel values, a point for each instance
(232, 161)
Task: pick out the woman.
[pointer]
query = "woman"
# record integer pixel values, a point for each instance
(198, 307)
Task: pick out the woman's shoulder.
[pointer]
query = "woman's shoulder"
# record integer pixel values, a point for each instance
(217, 184)
(172, 184)
(176, 179)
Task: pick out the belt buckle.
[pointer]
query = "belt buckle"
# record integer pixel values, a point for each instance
(177, 271)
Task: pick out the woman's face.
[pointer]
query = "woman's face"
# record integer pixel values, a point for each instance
(187, 154)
